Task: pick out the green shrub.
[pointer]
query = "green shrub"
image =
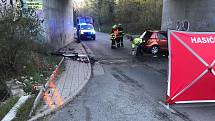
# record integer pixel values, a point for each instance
(135, 15)
(19, 39)
(22, 53)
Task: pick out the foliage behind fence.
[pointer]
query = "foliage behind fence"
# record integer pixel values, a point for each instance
(20, 36)
(135, 15)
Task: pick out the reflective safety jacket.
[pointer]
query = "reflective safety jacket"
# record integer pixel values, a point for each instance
(114, 34)
(136, 42)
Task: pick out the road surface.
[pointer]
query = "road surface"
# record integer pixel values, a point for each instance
(127, 88)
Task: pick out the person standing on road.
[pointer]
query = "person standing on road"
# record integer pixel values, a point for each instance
(114, 36)
(121, 35)
(136, 46)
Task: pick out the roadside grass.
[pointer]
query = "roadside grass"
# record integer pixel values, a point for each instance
(38, 75)
(24, 111)
(7, 105)
(31, 76)
(51, 62)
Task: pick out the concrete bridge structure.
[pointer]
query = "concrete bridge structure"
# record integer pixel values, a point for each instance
(58, 19)
(200, 14)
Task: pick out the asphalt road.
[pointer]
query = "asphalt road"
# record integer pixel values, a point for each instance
(127, 88)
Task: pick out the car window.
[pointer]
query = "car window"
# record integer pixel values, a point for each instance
(146, 35)
(161, 36)
(86, 27)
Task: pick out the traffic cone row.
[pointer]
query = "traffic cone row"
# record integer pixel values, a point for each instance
(47, 97)
(52, 78)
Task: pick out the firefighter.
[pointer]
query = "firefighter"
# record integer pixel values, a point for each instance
(121, 34)
(136, 46)
(114, 36)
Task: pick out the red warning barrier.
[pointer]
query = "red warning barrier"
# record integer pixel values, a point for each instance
(191, 67)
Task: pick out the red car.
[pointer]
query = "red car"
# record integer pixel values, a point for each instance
(155, 41)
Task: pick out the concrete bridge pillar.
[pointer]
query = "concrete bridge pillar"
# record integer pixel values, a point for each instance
(58, 16)
(58, 19)
(199, 13)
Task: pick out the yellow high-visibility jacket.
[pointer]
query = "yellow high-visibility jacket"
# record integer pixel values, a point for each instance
(136, 42)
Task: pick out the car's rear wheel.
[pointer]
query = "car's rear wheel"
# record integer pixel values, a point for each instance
(154, 50)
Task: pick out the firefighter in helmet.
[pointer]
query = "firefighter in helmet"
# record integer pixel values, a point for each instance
(121, 35)
(114, 36)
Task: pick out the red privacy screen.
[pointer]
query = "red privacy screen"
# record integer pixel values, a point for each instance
(191, 67)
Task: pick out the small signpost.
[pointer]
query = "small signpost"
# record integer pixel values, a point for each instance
(35, 4)
(31, 4)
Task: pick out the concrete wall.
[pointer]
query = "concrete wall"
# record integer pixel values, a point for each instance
(199, 13)
(58, 24)
(58, 16)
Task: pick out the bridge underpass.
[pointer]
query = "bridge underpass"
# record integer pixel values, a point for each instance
(198, 13)
(59, 17)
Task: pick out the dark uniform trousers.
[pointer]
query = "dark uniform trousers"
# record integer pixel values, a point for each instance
(113, 41)
(121, 34)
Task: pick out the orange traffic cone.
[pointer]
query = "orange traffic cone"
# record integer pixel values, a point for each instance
(58, 98)
(48, 100)
(52, 84)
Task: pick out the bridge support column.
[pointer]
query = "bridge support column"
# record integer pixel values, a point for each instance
(199, 14)
(58, 16)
